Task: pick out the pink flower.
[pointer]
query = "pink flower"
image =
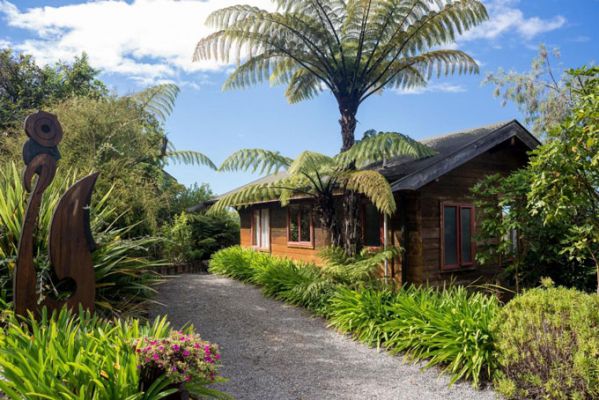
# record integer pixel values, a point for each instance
(186, 353)
(176, 347)
(156, 357)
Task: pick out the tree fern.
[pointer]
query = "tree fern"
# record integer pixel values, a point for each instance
(158, 100)
(354, 48)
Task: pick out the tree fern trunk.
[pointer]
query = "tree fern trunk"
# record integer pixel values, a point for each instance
(350, 226)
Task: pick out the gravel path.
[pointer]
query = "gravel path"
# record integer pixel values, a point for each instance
(273, 351)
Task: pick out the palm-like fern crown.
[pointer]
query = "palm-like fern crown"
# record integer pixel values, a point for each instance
(355, 48)
(315, 175)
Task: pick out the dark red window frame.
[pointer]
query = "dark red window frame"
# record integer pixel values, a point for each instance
(302, 210)
(460, 256)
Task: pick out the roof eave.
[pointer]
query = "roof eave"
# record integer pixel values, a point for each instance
(418, 179)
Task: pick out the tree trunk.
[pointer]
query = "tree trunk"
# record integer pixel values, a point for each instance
(351, 230)
(348, 124)
(325, 209)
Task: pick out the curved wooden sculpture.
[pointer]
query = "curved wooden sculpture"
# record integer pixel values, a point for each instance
(70, 242)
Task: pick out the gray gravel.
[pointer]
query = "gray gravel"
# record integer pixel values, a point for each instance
(275, 351)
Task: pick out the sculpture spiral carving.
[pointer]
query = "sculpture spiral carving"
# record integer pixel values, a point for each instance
(70, 243)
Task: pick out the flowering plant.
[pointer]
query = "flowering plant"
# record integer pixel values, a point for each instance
(181, 357)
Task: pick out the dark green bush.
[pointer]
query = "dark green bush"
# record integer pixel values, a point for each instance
(195, 237)
(548, 345)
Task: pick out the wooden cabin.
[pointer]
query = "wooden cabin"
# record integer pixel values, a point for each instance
(435, 220)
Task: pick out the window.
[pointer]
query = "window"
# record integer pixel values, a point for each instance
(300, 231)
(457, 226)
(261, 229)
(372, 226)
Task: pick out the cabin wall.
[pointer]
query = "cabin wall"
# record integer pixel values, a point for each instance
(424, 215)
(279, 245)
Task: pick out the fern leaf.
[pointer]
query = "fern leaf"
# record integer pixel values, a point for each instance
(256, 160)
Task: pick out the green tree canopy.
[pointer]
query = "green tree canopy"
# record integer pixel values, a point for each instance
(25, 86)
(566, 170)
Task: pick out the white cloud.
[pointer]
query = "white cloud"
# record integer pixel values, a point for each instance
(433, 88)
(145, 39)
(505, 18)
(154, 40)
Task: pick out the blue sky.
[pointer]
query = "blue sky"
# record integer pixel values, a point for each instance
(138, 43)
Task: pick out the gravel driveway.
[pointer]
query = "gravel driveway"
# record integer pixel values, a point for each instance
(275, 351)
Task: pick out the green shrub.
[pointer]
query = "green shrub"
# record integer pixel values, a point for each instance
(124, 272)
(302, 284)
(449, 328)
(362, 313)
(79, 357)
(237, 263)
(548, 344)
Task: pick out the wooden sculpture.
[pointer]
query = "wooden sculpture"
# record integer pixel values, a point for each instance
(70, 243)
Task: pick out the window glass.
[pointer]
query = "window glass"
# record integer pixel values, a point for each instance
(265, 229)
(293, 226)
(305, 226)
(466, 235)
(256, 228)
(372, 226)
(450, 235)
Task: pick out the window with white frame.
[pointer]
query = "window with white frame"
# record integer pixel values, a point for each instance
(261, 229)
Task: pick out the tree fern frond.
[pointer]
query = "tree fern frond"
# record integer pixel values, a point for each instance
(158, 100)
(375, 187)
(309, 163)
(382, 146)
(256, 160)
(303, 86)
(189, 157)
(248, 195)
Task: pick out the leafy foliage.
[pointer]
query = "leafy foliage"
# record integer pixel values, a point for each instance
(354, 49)
(302, 284)
(25, 87)
(124, 272)
(548, 345)
(545, 98)
(77, 356)
(80, 357)
(195, 237)
(450, 328)
(566, 187)
(321, 177)
(509, 235)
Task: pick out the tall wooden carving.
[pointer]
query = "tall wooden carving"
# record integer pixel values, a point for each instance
(70, 243)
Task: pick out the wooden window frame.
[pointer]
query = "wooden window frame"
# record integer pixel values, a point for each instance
(302, 244)
(460, 264)
(259, 246)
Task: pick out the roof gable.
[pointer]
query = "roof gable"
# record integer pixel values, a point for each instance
(453, 150)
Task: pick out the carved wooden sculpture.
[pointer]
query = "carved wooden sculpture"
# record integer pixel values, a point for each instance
(70, 242)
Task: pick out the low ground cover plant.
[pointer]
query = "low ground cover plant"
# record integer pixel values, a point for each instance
(548, 345)
(542, 345)
(85, 357)
(450, 328)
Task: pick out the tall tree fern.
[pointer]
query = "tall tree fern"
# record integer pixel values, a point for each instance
(353, 48)
(322, 178)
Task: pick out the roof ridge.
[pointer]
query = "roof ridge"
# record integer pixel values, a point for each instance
(493, 126)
